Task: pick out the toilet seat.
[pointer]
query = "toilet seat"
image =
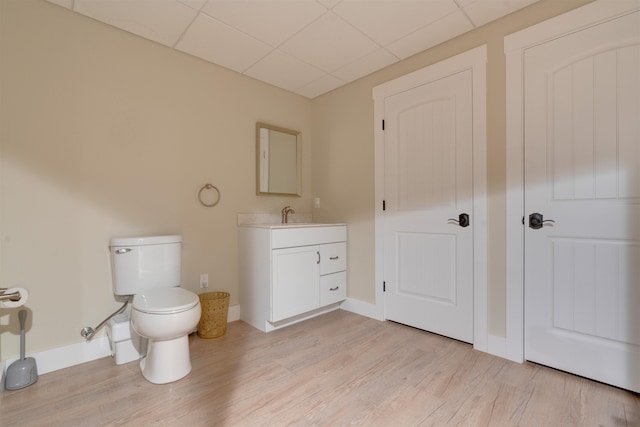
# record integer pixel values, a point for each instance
(165, 301)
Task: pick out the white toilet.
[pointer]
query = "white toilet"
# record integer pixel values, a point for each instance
(149, 269)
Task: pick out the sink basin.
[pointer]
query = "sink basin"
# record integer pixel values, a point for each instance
(291, 225)
(295, 225)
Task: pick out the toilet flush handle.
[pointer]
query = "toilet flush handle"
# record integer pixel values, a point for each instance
(122, 251)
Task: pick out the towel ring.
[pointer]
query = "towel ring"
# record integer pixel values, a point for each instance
(208, 187)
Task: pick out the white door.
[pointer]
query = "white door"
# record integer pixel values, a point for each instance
(428, 260)
(582, 170)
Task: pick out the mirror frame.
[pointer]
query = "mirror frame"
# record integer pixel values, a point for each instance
(298, 135)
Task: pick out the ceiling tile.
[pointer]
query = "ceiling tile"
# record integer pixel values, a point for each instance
(446, 28)
(365, 65)
(329, 43)
(386, 21)
(484, 11)
(284, 71)
(216, 42)
(273, 22)
(162, 21)
(194, 4)
(320, 86)
(329, 4)
(64, 3)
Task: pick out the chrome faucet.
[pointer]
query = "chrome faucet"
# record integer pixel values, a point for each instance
(285, 213)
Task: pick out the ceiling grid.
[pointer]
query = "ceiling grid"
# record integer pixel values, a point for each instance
(308, 47)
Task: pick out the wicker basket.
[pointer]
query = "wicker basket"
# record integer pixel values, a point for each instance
(213, 320)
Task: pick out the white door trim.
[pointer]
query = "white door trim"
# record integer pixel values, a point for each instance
(474, 60)
(515, 46)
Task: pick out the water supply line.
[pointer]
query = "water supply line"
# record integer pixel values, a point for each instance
(87, 332)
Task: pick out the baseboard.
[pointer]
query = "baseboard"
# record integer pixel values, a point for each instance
(70, 355)
(362, 308)
(234, 313)
(497, 346)
(82, 352)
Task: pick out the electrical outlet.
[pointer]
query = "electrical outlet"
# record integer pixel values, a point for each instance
(204, 280)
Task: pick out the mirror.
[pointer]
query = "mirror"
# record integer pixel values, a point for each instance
(278, 160)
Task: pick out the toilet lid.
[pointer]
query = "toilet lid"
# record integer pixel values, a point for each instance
(165, 301)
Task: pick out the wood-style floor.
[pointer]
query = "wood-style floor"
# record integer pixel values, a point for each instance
(337, 369)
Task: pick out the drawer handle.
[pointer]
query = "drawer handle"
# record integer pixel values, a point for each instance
(318, 253)
(334, 289)
(333, 258)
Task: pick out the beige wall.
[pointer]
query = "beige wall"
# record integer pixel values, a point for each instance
(106, 134)
(343, 161)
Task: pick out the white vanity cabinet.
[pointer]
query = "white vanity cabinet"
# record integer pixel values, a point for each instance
(289, 273)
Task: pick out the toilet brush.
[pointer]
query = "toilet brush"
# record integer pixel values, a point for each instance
(23, 372)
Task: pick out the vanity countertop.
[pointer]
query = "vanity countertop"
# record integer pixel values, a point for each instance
(292, 225)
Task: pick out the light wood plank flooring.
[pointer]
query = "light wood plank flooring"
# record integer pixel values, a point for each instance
(337, 369)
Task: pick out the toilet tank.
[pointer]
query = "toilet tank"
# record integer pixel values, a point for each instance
(140, 264)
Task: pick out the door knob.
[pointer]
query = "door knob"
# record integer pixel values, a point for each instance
(536, 221)
(462, 221)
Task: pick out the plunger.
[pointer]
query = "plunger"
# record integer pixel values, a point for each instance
(23, 372)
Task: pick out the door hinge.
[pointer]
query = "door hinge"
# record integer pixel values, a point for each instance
(384, 205)
(384, 286)
(382, 124)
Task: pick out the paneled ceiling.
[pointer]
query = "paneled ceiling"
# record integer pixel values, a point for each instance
(308, 47)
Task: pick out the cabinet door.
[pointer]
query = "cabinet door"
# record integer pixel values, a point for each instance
(295, 281)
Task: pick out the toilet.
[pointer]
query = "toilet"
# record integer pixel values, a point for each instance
(148, 268)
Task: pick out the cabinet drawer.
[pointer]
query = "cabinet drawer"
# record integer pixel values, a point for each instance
(333, 288)
(333, 257)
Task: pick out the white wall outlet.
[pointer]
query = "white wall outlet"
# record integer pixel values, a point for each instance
(316, 202)
(204, 280)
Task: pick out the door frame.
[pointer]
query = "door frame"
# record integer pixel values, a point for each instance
(515, 46)
(474, 60)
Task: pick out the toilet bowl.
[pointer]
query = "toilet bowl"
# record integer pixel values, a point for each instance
(165, 317)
